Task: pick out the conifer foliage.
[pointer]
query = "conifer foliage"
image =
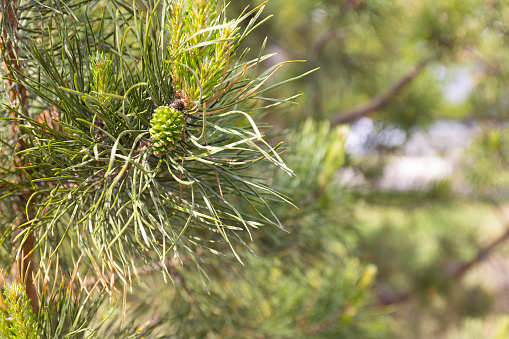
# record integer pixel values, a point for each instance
(20, 321)
(134, 139)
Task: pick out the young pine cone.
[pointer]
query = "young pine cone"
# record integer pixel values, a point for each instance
(167, 128)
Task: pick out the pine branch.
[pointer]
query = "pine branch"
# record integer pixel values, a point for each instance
(145, 154)
(458, 271)
(482, 254)
(316, 49)
(380, 100)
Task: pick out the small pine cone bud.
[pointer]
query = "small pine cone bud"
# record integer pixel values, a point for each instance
(167, 126)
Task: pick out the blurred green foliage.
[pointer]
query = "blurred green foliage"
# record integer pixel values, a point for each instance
(364, 48)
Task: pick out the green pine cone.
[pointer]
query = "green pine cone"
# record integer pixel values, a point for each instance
(167, 129)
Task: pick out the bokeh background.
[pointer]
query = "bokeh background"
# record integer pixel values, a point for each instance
(400, 146)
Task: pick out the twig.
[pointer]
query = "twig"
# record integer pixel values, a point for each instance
(380, 100)
(387, 297)
(331, 33)
(482, 254)
(317, 47)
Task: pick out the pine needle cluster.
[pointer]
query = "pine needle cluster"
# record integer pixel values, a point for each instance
(130, 144)
(18, 319)
(100, 185)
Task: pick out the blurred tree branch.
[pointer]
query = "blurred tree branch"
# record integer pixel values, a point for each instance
(316, 49)
(483, 253)
(454, 272)
(380, 100)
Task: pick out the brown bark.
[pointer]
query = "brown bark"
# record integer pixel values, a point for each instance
(18, 99)
(27, 271)
(378, 101)
(49, 117)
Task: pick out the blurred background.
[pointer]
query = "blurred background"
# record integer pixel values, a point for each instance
(400, 145)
